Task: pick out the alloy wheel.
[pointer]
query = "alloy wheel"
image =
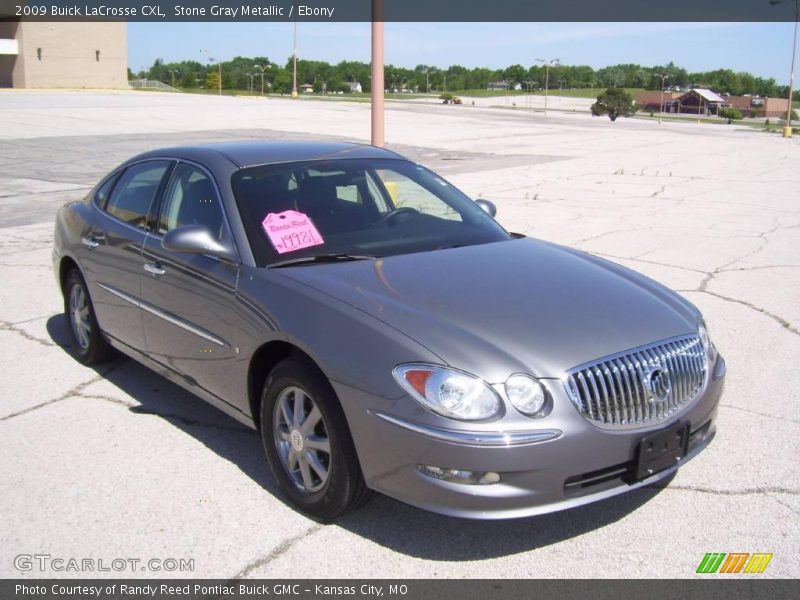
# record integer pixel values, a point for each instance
(301, 439)
(79, 316)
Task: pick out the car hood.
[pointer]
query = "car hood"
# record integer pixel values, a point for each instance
(519, 305)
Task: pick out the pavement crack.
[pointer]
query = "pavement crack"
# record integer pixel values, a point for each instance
(71, 393)
(778, 319)
(277, 552)
(649, 262)
(758, 414)
(754, 491)
(32, 338)
(595, 237)
(784, 504)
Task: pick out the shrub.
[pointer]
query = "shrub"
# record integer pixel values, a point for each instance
(730, 113)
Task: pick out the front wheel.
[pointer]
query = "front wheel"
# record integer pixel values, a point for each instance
(308, 443)
(90, 346)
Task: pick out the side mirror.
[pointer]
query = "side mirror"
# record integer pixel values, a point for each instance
(197, 239)
(488, 207)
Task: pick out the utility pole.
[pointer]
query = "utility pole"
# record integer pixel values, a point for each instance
(294, 64)
(377, 74)
(787, 131)
(663, 76)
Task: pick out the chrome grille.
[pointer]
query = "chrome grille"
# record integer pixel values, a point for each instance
(640, 386)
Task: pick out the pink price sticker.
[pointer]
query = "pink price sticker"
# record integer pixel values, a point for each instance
(290, 231)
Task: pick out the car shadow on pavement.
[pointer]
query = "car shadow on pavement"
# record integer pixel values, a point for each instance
(392, 524)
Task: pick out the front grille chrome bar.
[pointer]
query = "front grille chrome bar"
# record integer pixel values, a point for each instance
(639, 387)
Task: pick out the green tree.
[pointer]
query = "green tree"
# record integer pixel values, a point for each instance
(730, 113)
(614, 102)
(212, 79)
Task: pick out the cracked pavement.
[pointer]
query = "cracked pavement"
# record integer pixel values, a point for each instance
(118, 462)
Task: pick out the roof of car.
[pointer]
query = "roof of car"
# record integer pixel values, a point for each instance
(259, 152)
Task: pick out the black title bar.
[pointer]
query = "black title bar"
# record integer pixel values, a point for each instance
(402, 10)
(751, 588)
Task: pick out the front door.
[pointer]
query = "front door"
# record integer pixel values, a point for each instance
(188, 299)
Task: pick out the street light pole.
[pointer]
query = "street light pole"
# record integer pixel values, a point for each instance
(263, 68)
(662, 76)
(547, 64)
(787, 132)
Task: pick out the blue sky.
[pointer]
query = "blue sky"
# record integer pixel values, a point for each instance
(763, 49)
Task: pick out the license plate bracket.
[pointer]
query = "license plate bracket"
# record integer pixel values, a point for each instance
(661, 450)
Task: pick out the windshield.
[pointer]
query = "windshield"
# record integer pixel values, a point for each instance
(374, 207)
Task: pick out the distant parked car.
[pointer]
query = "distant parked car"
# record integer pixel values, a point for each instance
(448, 98)
(383, 332)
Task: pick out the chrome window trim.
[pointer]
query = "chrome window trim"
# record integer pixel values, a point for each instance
(156, 235)
(494, 439)
(121, 171)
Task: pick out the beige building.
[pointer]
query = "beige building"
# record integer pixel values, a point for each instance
(63, 55)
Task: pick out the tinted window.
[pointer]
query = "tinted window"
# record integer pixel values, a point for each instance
(135, 191)
(367, 207)
(101, 196)
(191, 199)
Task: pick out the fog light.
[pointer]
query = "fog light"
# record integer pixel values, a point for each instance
(458, 476)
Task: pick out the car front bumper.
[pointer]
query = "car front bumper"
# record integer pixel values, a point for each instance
(563, 462)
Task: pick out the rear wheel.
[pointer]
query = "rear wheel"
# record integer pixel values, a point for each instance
(90, 346)
(308, 443)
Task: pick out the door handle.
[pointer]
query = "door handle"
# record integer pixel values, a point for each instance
(154, 268)
(90, 241)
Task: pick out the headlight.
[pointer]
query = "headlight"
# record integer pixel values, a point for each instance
(526, 394)
(448, 392)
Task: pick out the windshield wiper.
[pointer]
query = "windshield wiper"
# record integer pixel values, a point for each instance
(320, 258)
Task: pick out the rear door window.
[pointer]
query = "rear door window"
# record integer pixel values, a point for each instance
(134, 193)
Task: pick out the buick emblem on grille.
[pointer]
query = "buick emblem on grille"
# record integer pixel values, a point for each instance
(658, 384)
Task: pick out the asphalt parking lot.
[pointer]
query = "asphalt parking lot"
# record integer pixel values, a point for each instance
(119, 463)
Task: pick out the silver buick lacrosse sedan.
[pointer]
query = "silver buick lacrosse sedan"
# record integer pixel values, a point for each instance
(383, 332)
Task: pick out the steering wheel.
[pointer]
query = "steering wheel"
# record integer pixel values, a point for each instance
(384, 220)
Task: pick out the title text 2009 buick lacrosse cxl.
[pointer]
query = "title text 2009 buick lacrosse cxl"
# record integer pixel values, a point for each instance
(383, 332)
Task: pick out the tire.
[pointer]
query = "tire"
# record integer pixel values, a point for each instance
(90, 346)
(323, 480)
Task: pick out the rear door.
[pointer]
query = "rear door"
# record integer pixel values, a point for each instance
(189, 300)
(112, 248)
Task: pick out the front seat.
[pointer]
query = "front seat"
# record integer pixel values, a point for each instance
(199, 207)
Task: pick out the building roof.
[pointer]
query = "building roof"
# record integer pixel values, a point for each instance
(654, 96)
(708, 95)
